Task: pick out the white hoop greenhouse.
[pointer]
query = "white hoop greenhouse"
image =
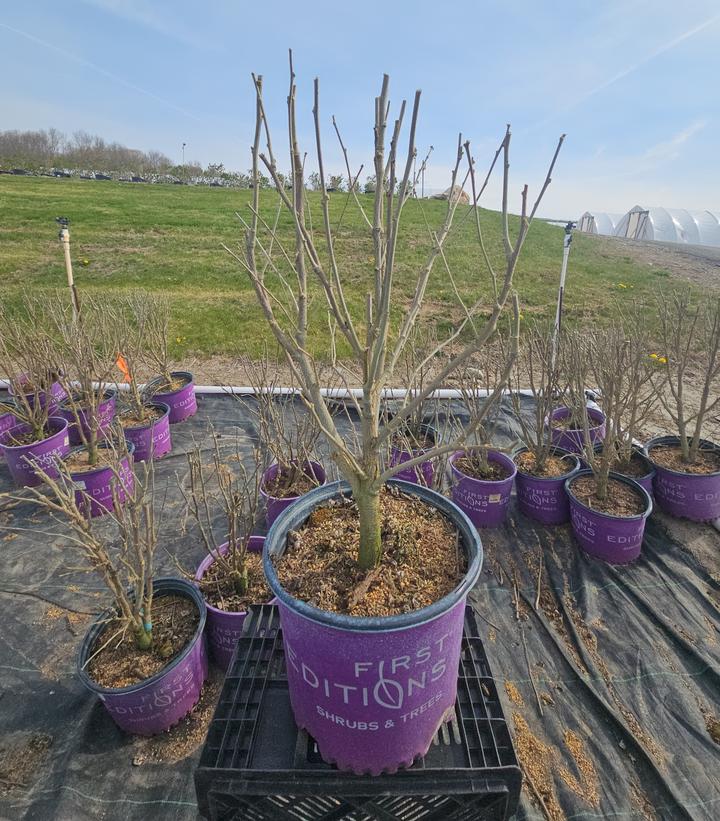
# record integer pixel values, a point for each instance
(598, 222)
(670, 225)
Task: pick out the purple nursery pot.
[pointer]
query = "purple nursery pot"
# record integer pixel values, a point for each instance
(157, 703)
(614, 539)
(423, 473)
(573, 440)
(485, 502)
(693, 496)
(274, 505)
(545, 499)
(58, 395)
(106, 414)
(372, 692)
(151, 441)
(182, 402)
(94, 488)
(224, 628)
(23, 459)
(7, 421)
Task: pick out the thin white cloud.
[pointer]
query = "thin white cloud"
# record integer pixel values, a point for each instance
(99, 70)
(670, 149)
(628, 70)
(148, 16)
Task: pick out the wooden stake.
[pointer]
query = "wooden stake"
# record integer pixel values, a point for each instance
(65, 239)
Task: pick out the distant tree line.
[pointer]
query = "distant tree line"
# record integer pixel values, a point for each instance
(52, 149)
(48, 149)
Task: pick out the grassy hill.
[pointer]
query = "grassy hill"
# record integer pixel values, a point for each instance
(168, 239)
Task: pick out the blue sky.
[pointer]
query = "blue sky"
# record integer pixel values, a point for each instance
(634, 84)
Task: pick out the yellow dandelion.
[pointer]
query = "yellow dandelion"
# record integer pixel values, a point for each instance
(653, 356)
(178, 339)
(662, 359)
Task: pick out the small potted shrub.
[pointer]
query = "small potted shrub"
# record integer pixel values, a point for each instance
(542, 466)
(640, 401)
(687, 483)
(608, 510)
(87, 343)
(38, 440)
(420, 433)
(173, 388)
(575, 423)
(481, 477)
(371, 575)
(225, 496)
(288, 437)
(146, 655)
(145, 423)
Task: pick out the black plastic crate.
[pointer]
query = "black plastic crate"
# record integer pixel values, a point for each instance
(257, 766)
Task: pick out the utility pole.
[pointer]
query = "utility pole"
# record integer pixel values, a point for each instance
(184, 170)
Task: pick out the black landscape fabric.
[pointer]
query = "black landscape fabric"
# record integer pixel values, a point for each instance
(624, 664)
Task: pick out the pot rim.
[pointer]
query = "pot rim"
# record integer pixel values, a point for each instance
(109, 393)
(296, 514)
(590, 412)
(105, 446)
(511, 463)
(639, 451)
(657, 440)
(209, 560)
(184, 374)
(636, 486)
(165, 585)
(164, 407)
(55, 419)
(308, 462)
(554, 451)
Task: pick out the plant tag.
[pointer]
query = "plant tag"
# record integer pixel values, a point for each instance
(79, 485)
(494, 498)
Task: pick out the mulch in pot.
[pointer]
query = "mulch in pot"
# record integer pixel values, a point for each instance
(133, 419)
(670, 457)
(290, 481)
(421, 561)
(622, 500)
(120, 663)
(554, 466)
(487, 472)
(219, 591)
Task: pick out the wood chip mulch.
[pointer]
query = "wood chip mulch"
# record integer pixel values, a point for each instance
(421, 562)
(670, 457)
(554, 466)
(621, 499)
(219, 591)
(120, 663)
(488, 472)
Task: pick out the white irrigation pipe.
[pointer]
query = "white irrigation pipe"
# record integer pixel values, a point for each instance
(330, 393)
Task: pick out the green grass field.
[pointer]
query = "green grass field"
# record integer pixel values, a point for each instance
(168, 239)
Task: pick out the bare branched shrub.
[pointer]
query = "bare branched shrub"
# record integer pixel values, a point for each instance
(690, 335)
(154, 318)
(375, 346)
(614, 361)
(29, 360)
(288, 436)
(482, 383)
(536, 369)
(120, 547)
(224, 496)
(87, 347)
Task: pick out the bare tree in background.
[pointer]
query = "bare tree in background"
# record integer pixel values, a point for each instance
(375, 346)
